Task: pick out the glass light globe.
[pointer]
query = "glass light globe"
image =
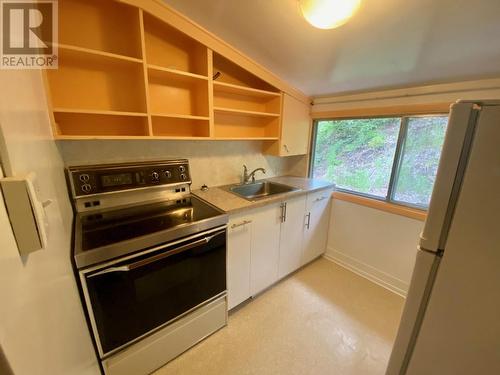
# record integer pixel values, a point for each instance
(328, 14)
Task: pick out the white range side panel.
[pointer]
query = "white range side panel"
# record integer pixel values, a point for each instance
(265, 247)
(292, 234)
(461, 326)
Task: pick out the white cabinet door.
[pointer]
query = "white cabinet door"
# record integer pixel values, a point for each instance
(265, 247)
(238, 259)
(292, 232)
(316, 224)
(295, 129)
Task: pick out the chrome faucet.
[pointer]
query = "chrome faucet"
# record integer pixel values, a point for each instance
(250, 176)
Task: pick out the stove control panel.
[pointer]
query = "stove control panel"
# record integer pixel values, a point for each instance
(97, 179)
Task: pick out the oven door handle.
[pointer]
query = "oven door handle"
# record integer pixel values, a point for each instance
(155, 258)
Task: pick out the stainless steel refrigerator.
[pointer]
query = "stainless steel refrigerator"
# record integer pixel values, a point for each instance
(451, 320)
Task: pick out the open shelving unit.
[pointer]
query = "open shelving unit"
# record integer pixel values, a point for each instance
(245, 107)
(94, 125)
(131, 75)
(89, 81)
(168, 48)
(109, 26)
(176, 94)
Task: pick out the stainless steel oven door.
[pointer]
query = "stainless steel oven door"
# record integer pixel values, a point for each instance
(130, 297)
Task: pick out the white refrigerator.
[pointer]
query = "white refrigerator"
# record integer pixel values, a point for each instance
(451, 320)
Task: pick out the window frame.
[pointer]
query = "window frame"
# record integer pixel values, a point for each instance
(396, 163)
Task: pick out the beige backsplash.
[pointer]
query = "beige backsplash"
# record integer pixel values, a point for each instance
(212, 162)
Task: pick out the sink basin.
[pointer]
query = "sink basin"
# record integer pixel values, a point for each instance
(259, 190)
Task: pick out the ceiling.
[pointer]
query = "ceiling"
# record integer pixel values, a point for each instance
(387, 44)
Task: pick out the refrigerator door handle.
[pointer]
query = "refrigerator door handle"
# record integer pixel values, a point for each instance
(459, 134)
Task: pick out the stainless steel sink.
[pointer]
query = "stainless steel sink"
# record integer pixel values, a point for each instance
(260, 190)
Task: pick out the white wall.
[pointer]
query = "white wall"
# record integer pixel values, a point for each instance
(376, 244)
(212, 162)
(42, 325)
(430, 94)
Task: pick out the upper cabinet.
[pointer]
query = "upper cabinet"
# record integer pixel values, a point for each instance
(140, 70)
(295, 128)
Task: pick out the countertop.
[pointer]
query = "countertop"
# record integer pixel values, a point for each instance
(220, 197)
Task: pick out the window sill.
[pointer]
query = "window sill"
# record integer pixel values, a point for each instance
(412, 213)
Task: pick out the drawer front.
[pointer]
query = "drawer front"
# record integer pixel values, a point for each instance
(318, 198)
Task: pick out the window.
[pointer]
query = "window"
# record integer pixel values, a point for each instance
(393, 159)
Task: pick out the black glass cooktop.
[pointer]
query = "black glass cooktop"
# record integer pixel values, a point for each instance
(107, 228)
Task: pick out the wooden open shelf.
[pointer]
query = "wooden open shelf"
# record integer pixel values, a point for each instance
(233, 74)
(245, 107)
(92, 82)
(175, 94)
(97, 112)
(245, 113)
(97, 125)
(177, 72)
(105, 55)
(101, 25)
(169, 48)
(228, 125)
(185, 117)
(250, 103)
(228, 88)
(172, 127)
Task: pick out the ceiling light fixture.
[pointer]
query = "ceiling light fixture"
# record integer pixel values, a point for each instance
(328, 14)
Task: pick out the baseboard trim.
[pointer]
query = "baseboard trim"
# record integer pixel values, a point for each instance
(376, 276)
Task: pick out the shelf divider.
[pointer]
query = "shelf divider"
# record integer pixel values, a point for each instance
(95, 52)
(241, 112)
(177, 72)
(145, 71)
(98, 112)
(242, 90)
(186, 117)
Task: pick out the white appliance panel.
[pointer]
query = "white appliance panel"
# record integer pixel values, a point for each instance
(460, 330)
(462, 119)
(426, 265)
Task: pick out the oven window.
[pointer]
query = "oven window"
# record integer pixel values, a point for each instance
(129, 303)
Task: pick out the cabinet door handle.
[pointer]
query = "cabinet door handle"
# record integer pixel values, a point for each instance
(284, 216)
(321, 199)
(244, 222)
(286, 148)
(308, 224)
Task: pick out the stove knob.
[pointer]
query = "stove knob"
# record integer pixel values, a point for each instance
(182, 169)
(168, 174)
(155, 176)
(183, 177)
(86, 188)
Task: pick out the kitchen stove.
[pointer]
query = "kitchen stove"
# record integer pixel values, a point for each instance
(150, 258)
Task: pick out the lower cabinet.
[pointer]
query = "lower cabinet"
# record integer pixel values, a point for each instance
(270, 242)
(238, 258)
(265, 247)
(291, 236)
(316, 225)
